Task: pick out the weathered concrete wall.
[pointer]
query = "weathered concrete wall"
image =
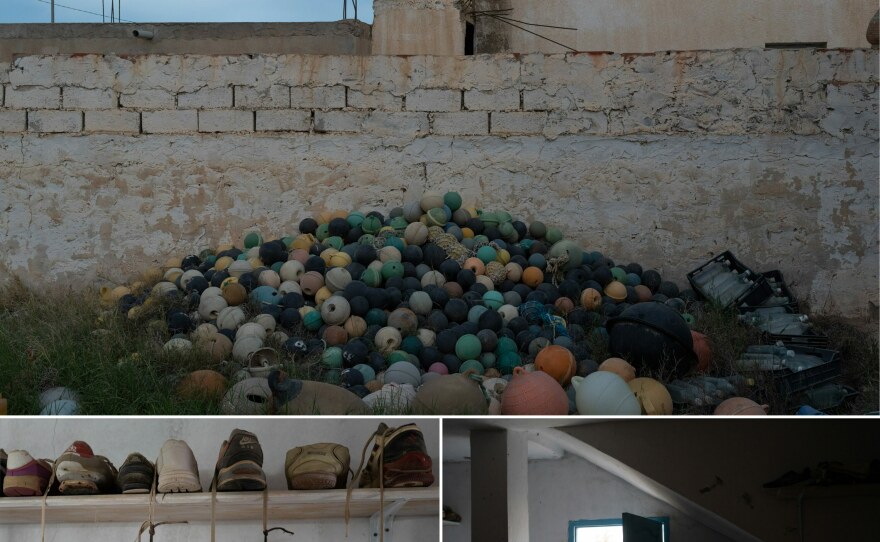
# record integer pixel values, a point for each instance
(638, 26)
(109, 164)
(337, 38)
(417, 27)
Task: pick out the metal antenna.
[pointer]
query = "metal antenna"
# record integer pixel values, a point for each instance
(354, 4)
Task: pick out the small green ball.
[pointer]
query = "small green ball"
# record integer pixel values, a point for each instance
(452, 200)
(537, 230)
(554, 235)
(505, 345)
(332, 357)
(493, 299)
(487, 254)
(313, 321)
(335, 242)
(468, 347)
(392, 269)
(322, 232)
(253, 239)
(355, 219)
(371, 224)
(376, 317)
(508, 361)
(372, 278)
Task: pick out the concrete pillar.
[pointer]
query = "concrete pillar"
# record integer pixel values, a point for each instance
(499, 486)
(417, 27)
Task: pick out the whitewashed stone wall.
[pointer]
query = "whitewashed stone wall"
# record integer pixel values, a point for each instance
(109, 164)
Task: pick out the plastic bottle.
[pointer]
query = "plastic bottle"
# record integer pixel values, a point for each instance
(723, 385)
(827, 395)
(801, 362)
(709, 273)
(779, 349)
(682, 392)
(760, 362)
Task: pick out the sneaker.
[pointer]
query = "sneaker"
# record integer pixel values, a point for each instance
(240, 465)
(136, 474)
(317, 466)
(80, 472)
(178, 470)
(25, 476)
(405, 460)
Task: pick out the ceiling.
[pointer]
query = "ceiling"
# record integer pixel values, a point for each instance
(457, 433)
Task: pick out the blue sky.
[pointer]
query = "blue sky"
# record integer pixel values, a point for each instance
(36, 11)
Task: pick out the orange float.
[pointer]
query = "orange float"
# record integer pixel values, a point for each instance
(558, 362)
(532, 276)
(620, 367)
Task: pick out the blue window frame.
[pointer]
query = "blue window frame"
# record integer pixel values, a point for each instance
(574, 525)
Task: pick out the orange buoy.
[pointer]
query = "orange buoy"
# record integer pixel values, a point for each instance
(620, 367)
(532, 276)
(558, 362)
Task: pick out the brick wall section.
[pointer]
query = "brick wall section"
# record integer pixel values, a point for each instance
(802, 92)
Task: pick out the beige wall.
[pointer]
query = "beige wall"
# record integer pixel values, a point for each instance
(110, 164)
(634, 26)
(417, 27)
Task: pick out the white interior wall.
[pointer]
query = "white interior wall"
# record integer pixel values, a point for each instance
(117, 437)
(568, 489)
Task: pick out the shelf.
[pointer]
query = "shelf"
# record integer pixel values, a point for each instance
(283, 505)
(826, 492)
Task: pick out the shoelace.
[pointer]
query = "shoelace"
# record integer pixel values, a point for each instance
(43, 506)
(266, 529)
(148, 525)
(378, 438)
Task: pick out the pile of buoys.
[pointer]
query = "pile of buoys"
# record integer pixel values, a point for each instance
(433, 289)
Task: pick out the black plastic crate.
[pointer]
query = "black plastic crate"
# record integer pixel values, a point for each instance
(811, 339)
(776, 275)
(788, 381)
(757, 293)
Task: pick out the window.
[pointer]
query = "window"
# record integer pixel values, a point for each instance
(606, 530)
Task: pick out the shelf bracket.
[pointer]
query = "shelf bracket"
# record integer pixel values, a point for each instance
(388, 514)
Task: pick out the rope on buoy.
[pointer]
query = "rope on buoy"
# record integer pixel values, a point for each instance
(555, 267)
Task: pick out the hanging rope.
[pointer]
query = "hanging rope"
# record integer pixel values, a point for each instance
(43, 506)
(266, 530)
(149, 525)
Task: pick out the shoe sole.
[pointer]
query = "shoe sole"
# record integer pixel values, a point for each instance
(23, 486)
(78, 487)
(135, 490)
(178, 481)
(72, 471)
(241, 476)
(312, 480)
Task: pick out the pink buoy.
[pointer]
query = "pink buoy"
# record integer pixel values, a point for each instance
(533, 394)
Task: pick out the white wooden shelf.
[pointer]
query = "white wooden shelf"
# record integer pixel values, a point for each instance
(237, 506)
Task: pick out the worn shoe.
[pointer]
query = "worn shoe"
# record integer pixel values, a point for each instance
(136, 474)
(404, 459)
(25, 476)
(80, 472)
(317, 466)
(177, 467)
(240, 465)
